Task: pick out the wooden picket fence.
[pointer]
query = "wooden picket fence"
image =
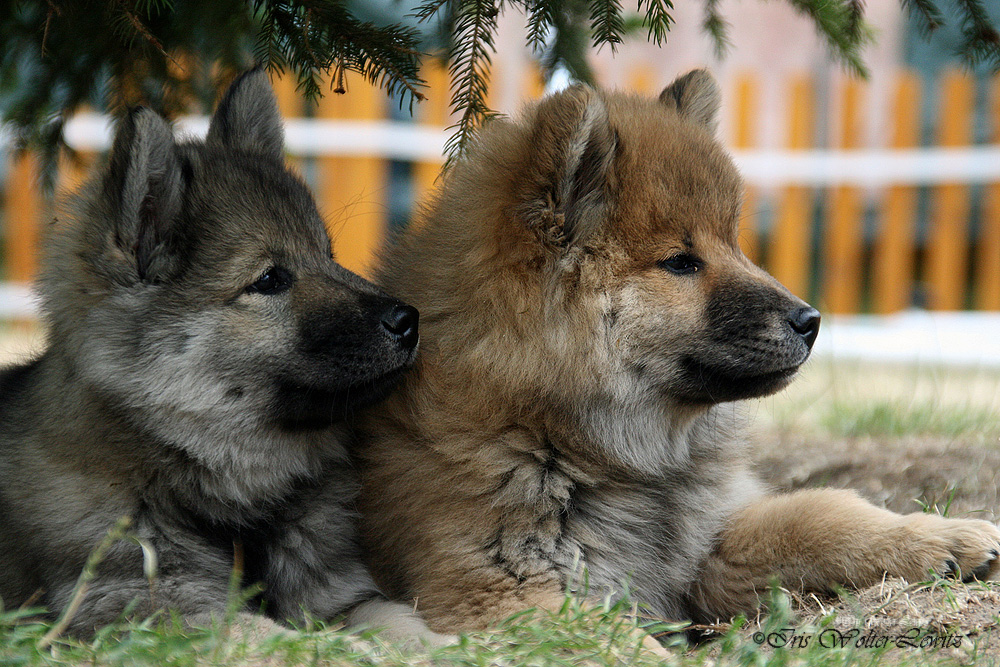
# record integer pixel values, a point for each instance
(846, 247)
(954, 269)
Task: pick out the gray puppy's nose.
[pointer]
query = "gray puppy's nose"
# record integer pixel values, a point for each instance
(401, 323)
(805, 322)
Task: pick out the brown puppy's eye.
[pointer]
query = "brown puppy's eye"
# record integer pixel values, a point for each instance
(681, 264)
(272, 281)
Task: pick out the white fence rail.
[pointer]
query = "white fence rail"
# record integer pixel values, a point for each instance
(396, 140)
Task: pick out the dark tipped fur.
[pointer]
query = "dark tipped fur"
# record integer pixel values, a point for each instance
(191, 286)
(588, 317)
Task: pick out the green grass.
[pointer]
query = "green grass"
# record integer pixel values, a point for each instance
(576, 636)
(851, 399)
(896, 419)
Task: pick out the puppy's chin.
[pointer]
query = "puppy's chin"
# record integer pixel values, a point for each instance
(702, 383)
(301, 407)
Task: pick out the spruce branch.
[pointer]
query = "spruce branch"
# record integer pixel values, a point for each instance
(172, 55)
(141, 30)
(541, 19)
(607, 23)
(320, 39)
(716, 27)
(980, 40)
(474, 27)
(833, 19)
(53, 11)
(56, 55)
(926, 15)
(855, 16)
(429, 9)
(658, 20)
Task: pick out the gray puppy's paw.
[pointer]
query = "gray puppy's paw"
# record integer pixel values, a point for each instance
(396, 623)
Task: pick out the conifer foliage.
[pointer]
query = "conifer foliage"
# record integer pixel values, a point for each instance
(57, 55)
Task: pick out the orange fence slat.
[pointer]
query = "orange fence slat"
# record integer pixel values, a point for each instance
(894, 253)
(987, 274)
(743, 138)
(842, 244)
(290, 102)
(988, 255)
(947, 243)
(24, 213)
(641, 79)
(352, 190)
(790, 251)
(73, 171)
(533, 84)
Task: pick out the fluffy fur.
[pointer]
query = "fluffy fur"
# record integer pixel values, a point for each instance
(203, 350)
(588, 320)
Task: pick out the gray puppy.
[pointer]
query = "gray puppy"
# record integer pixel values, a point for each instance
(204, 348)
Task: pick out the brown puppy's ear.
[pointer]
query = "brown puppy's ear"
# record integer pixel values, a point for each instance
(574, 147)
(696, 97)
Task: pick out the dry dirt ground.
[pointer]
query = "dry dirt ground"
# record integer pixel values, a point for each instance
(943, 472)
(904, 461)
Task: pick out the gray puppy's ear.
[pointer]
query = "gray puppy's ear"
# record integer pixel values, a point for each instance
(145, 186)
(248, 118)
(695, 96)
(575, 147)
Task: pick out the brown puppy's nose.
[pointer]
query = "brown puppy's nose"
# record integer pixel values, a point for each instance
(401, 323)
(805, 322)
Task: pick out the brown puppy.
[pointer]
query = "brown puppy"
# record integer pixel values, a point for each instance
(588, 320)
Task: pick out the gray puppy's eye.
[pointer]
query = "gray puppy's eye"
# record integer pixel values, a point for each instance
(273, 281)
(682, 264)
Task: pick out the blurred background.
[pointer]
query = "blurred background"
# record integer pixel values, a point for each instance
(841, 208)
(876, 200)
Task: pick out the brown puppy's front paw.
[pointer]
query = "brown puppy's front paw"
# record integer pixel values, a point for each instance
(966, 548)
